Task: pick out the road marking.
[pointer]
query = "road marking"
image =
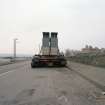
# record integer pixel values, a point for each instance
(6, 73)
(63, 98)
(2, 74)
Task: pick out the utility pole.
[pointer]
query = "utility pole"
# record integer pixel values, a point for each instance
(15, 48)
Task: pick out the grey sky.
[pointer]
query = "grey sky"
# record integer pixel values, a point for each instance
(79, 22)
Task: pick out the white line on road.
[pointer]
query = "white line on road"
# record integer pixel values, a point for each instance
(2, 74)
(6, 73)
(63, 98)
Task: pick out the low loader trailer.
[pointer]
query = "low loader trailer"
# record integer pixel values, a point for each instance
(49, 54)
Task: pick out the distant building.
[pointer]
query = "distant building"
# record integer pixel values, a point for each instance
(70, 53)
(102, 50)
(90, 49)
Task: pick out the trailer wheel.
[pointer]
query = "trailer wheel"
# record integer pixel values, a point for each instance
(32, 66)
(50, 64)
(63, 63)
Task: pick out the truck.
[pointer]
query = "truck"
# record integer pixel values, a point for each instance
(49, 54)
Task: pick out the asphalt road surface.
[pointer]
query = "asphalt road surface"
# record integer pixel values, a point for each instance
(21, 85)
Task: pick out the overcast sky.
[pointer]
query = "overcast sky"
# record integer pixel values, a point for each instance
(79, 22)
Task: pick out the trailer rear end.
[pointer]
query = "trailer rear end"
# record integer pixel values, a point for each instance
(49, 54)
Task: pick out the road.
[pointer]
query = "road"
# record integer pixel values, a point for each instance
(21, 85)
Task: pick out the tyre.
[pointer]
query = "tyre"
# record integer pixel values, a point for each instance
(32, 65)
(63, 63)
